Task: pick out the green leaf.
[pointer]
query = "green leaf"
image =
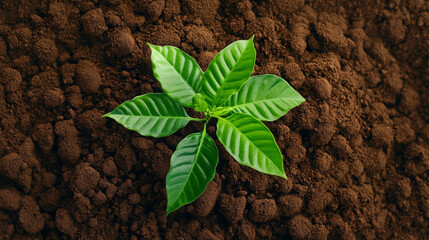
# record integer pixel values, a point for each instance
(152, 114)
(228, 71)
(193, 166)
(251, 143)
(199, 104)
(179, 74)
(221, 111)
(265, 97)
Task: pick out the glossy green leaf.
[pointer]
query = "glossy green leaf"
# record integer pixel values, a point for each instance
(193, 166)
(153, 114)
(199, 104)
(228, 71)
(251, 143)
(265, 97)
(179, 74)
(221, 111)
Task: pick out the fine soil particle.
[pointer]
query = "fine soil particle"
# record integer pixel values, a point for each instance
(9, 199)
(87, 76)
(355, 153)
(13, 167)
(93, 23)
(289, 205)
(299, 227)
(65, 223)
(29, 216)
(263, 210)
(43, 135)
(68, 143)
(11, 79)
(122, 42)
(46, 51)
(246, 231)
(85, 178)
(232, 208)
(206, 202)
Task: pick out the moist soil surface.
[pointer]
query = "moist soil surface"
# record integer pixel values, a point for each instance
(356, 153)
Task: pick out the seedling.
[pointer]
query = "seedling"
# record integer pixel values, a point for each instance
(226, 92)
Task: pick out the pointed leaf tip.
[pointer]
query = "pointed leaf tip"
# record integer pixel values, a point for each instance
(228, 71)
(251, 143)
(179, 74)
(265, 97)
(152, 114)
(193, 166)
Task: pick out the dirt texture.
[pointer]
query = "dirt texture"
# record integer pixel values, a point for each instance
(356, 153)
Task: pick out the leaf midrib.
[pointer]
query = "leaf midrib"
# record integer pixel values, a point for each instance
(259, 101)
(232, 70)
(203, 135)
(177, 71)
(140, 116)
(251, 142)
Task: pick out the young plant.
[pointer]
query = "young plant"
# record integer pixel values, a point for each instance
(226, 92)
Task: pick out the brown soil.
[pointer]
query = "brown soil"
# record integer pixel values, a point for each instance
(356, 153)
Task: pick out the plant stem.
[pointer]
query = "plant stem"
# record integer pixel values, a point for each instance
(205, 126)
(207, 118)
(198, 119)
